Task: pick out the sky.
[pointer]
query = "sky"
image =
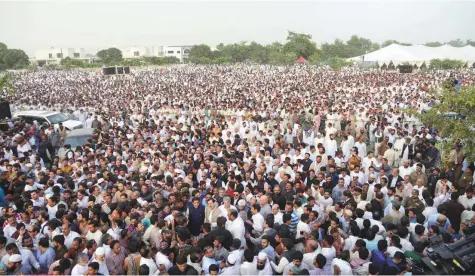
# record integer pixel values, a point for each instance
(34, 25)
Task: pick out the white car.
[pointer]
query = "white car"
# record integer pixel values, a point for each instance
(50, 117)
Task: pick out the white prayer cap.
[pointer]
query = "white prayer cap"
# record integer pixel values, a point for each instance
(262, 256)
(100, 251)
(232, 259)
(15, 258)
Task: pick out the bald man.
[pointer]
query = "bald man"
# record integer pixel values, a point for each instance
(265, 207)
(312, 249)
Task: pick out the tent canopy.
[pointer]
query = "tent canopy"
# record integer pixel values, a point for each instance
(417, 53)
(300, 60)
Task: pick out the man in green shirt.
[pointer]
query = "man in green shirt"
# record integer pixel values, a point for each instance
(416, 254)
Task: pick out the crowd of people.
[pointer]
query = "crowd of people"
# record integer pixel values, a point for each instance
(232, 170)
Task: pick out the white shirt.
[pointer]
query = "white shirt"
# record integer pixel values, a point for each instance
(94, 236)
(392, 250)
(9, 230)
(231, 270)
(161, 259)
(344, 266)
(302, 227)
(68, 240)
(78, 270)
(405, 171)
(467, 202)
(249, 269)
(83, 203)
(308, 258)
(237, 229)
(278, 218)
(258, 222)
(151, 265)
(329, 253)
(52, 210)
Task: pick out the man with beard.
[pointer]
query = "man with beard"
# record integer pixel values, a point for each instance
(278, 198)
(467, 200)
(14, 266)
(120, 191)
(263, 264)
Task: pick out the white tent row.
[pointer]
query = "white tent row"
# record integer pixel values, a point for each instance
(418, 53)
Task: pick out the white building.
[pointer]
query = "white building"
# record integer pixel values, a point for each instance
(180, 52)
(135, 52)
(55, 55)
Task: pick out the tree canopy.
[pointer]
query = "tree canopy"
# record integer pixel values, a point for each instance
(389, 42)
(433, 44)
(459, 101)
(12, 58)
(446, 64)
(111, 56)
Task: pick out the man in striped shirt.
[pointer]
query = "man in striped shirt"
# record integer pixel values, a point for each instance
(294, 218)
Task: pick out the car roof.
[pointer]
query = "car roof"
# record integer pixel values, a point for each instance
(81, 132)
(36, 113)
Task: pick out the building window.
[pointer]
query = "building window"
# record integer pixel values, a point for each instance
(170, 52)
(59, 55)
(136, 54)
(50, 55)
(177, 52)
(76, 55)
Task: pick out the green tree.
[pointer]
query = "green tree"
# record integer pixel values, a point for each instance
(389, 42)
(72, 63)
(12, 58)
(456, 43)
(6, 83)
(200, 52)
(358, 46)
(445, 64)
(462, 103)
(300, 45)
(257, 53)
(133, 62)
(110, 56)
(470, 42)
(336, 49)
(15, 59)
(375, 46)
(316, 58)
(336, 63)
(433, 44)
(171, 60)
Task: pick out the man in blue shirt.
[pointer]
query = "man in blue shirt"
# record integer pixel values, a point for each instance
(45, 255)
(294, 218)
(337, 192)
(378, 256)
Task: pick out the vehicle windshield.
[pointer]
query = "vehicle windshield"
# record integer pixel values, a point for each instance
(77, 141)
(57, 118)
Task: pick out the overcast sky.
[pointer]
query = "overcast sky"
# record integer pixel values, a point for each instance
(96, 24)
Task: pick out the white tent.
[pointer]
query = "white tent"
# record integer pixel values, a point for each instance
(418, 53)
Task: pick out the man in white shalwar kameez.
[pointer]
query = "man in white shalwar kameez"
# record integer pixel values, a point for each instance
(318, 140)
(331, 146)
